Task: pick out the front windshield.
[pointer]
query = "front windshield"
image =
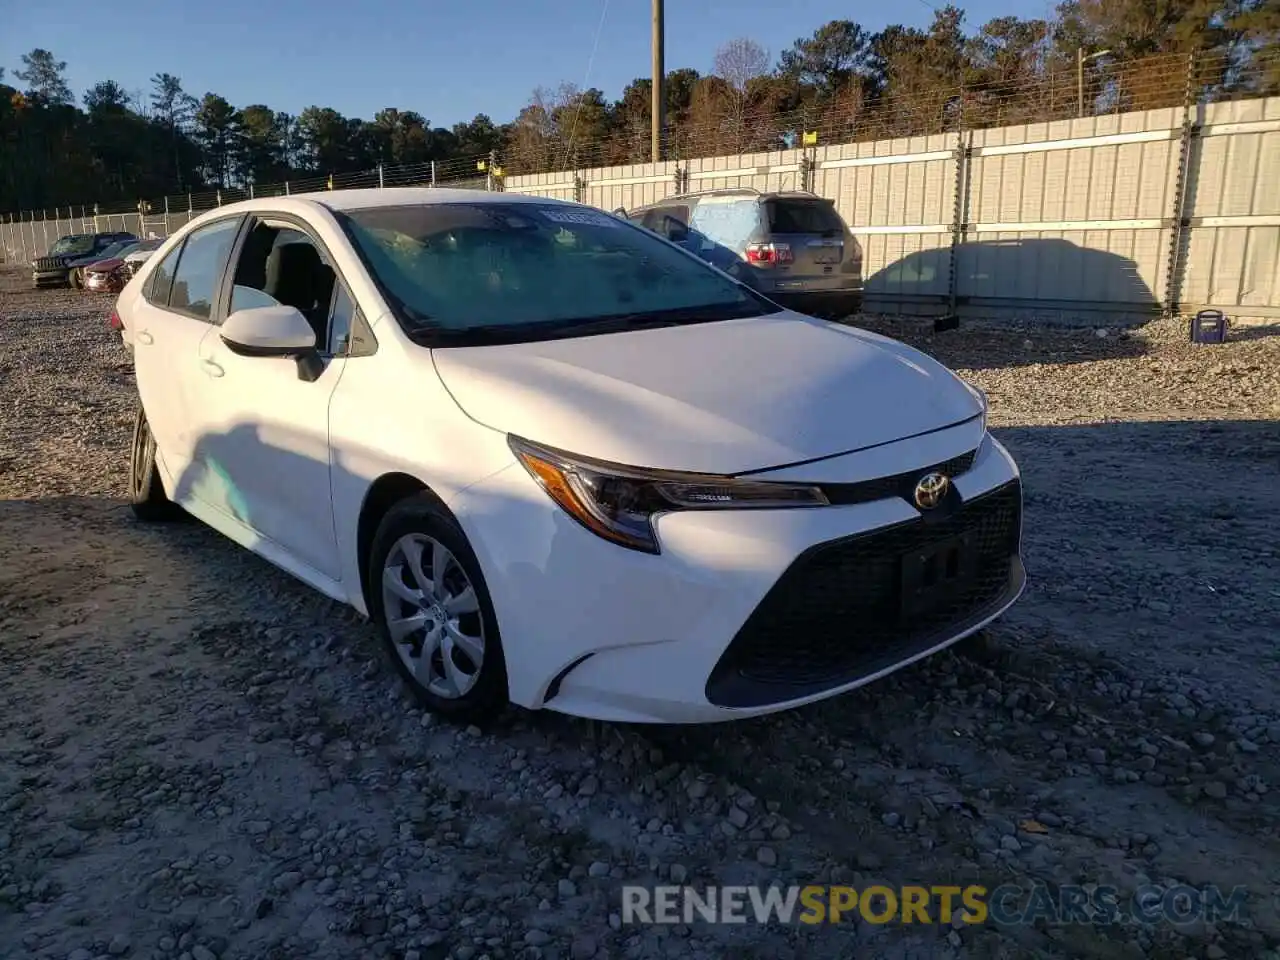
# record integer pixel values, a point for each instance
(72, 246)
(484, 272)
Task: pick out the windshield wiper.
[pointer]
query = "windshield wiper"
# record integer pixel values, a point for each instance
(651, 320)
(434, 334)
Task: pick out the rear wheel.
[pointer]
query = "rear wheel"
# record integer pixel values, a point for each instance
(76, 280)
(147, 498)
(432, 607)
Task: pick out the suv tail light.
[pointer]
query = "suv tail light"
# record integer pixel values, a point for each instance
(767, 254)
(114, 321)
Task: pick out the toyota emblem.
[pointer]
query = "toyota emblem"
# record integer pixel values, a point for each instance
(931, 489)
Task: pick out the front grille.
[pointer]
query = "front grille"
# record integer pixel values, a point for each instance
(898, 485)
(837, 614)
(50, 263)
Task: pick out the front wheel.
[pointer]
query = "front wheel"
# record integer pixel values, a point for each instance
(147, 498)
(429, 600)
(75, 280)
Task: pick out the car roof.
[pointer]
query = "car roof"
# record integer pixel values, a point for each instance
(734, 193)
(413, 196)
(302, 204)
(368, 199)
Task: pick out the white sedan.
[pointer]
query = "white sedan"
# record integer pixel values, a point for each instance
(560, 461)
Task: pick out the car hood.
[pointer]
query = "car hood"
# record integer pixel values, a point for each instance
(139, 256)
(725, 398)
(104, 266)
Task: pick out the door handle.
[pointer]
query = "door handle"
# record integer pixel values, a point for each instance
(212, 368)
(144, 338)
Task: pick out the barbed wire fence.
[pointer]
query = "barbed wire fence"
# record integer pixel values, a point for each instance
(1104, 88)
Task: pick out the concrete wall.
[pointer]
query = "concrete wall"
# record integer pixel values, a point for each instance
(1232, 251)
(1073, 220)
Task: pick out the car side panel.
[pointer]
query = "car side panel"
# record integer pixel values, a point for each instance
(166, 352)
(391, 414)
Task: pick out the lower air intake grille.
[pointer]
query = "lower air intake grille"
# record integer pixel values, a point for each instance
(852, 607)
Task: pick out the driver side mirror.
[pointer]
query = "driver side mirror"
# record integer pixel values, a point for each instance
(277, 331)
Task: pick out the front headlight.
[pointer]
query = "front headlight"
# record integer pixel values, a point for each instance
(978, 393)
(981, 397)
(619, 503)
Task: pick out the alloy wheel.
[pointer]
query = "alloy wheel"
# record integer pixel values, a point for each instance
(140, 459)
(433, 616)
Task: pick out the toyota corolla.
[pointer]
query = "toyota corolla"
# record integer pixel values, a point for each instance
(560, 461)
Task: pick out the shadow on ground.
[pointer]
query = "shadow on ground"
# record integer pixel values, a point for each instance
(1011, 281)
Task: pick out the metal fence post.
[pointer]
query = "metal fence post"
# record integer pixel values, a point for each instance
(1181, 192)
(219, 195)
(808, 167)
(286, 188)
(433, 173)
(380, 181)
(166, 216)
(959, 229)
(251, 191)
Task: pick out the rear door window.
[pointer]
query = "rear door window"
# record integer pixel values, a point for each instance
(656, 218)
(729, 223)
(199, 273)
(804, 216)
(158, 287)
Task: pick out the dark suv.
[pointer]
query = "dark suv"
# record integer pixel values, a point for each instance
(792, 246)
(76, 250)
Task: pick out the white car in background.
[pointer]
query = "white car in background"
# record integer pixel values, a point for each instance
(132, 264)
(561, 461)
(134, 261)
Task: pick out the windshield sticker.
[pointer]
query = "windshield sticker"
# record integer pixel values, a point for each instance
(583, 218)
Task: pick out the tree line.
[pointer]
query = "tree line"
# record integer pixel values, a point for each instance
(843, 80)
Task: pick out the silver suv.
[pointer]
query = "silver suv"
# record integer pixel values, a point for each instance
(793, 247)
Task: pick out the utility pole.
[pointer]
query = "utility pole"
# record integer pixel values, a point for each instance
(658, 106)
(1080, 61)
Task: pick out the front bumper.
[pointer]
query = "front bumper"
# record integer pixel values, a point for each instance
(745, 612)
(49, 278)
(103, 282)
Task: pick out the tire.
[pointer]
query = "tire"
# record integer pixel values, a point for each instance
(416, 526)
(147, 498)
(75, 281)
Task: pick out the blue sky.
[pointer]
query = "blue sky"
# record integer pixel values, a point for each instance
(449, 61)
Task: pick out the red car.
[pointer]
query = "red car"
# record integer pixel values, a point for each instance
(110, 275)
(105, 276)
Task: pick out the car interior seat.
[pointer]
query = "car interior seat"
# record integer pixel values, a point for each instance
(297, 277)
(251, 271)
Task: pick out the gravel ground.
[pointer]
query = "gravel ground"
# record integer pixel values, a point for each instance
(200, 758)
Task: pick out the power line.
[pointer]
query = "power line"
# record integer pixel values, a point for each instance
(573, 131)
